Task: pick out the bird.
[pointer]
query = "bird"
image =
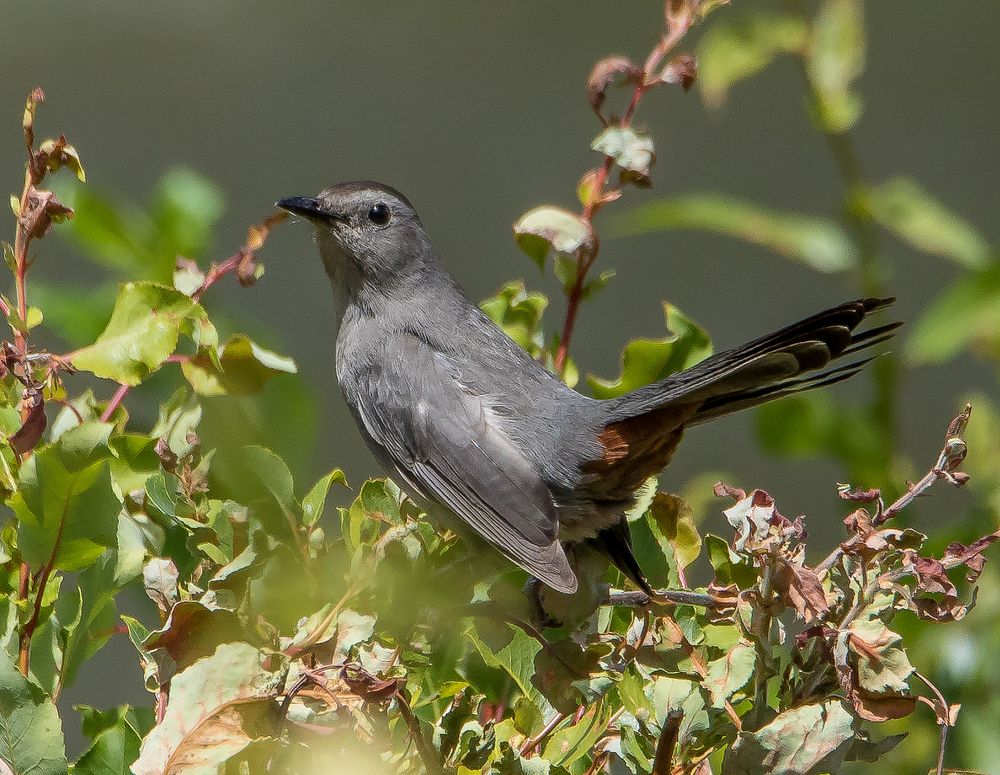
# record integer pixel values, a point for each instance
(482, 436)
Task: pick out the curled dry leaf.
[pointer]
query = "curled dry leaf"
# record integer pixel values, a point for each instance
(604, 74)
(682, 70)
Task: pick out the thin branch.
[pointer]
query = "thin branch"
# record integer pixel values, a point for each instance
(667, 741)
(430, 760)
(677, 27)
(115, 402)
(533, 742)
(950, 457)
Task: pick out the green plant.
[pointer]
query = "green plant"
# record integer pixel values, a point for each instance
(285, 635)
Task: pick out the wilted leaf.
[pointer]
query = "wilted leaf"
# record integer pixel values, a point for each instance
(802, 589)
(735, 49)
(215, 711)
(815, 241)
(31, 738)
(143, 331)
(548, 228)
(645, 361)
(159, 579)
(913, 215)
(604, 74)
(245, 368)
(807, 740)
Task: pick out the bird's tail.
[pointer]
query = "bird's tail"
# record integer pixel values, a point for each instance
(640, 430)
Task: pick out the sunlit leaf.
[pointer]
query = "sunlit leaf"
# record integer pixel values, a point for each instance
(807, 740)
(67, 509)
(245, 368)
(966, 315)
(548, 228)
(645, 361)
(215, 706)
(143, 331)
(835, 58)
(31, 738)
(519, 314)
(632, 150)
(815, 241)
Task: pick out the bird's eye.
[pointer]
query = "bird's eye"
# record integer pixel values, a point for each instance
(379, 214)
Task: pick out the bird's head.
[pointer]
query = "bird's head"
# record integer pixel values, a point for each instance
(366, 232)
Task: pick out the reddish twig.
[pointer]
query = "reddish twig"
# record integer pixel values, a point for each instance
(115, 402)
(676, 28)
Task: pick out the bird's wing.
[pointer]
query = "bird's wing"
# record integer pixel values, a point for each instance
(447, 445)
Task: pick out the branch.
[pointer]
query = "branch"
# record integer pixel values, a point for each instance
(430, 760)
(949, 459)
(677, 26)
(667, 741)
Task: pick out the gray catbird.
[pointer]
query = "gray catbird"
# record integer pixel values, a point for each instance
(472, 427)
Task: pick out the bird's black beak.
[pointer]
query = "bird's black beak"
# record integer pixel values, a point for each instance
(308, 207)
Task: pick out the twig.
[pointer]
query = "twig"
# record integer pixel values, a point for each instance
(115, 402)
(661, 597)
(951, 456)
(667, 741)
(431, 763)
(943, 719)
(532, 742)
(677, 27)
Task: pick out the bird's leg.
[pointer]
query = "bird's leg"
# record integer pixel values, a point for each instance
(661, 597)
(628, 599)
(535, 590)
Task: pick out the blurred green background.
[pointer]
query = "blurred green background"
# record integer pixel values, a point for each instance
(477, 111)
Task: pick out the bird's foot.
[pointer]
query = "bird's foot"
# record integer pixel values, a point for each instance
(535, 592)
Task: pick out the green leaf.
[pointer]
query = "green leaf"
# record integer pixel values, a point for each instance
(143, 331)
(966, 315)
(516, 657)
(730, 673)
(519, 313)
(645, 361)
(807, 740)
(215, 706)
(735, 49)
(912, 214)
(571, 743)
(115, 739)
(273, 474)
(186, 208)
(548, 228)
(817, 242)
(242, 368)
(675, 521)
(67, 509)
(31, 738)
(315, 500)
(98, 616)
(633, 151)
(835, 58)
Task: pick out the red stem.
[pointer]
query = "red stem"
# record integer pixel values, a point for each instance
(114, 403)
(676, 30)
